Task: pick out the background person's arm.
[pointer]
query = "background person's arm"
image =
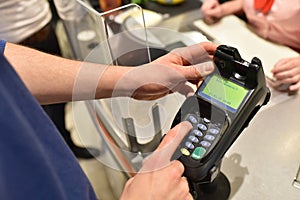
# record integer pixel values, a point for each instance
(287, 71)
(213, 11)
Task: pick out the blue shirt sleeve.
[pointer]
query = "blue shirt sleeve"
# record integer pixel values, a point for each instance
(35, 162)
(2, 46)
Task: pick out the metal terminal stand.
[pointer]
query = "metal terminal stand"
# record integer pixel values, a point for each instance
(215, 186)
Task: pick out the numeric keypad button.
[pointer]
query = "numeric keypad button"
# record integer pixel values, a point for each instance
(192, 119)
(213, 131)
(197, 133)
(205, 143)
(189, 145)
(209, 137)
(193, 139)
(202, 127)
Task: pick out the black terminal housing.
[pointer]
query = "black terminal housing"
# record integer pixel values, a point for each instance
(204, 110)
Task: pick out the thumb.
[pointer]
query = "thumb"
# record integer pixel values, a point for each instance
(198, 71)
(173, 138)
(161, 157)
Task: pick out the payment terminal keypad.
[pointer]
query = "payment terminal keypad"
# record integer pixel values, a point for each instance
(201, 138)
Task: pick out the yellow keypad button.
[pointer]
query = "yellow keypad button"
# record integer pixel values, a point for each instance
(185, 152)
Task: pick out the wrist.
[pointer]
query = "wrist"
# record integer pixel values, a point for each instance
(222, 11)
(114, 82)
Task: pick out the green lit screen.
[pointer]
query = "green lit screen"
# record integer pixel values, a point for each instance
(224, 91)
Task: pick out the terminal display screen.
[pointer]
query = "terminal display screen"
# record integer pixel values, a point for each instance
(223, 92)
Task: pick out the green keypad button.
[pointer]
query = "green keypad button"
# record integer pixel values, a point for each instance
(198, 153)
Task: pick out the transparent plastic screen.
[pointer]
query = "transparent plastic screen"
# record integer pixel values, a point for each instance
(116, 30)
(128, 129)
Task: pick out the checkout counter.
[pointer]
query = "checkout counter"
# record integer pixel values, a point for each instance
(261, 164)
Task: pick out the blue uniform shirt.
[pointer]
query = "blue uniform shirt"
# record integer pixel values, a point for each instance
(2, 46)
(35, 162)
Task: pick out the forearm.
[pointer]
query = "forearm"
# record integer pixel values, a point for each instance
(232, 7)
(53, 79)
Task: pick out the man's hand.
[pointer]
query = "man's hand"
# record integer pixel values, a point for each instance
(160, 178)
(169, 73)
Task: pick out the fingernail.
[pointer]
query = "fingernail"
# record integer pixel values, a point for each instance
(209, 67)
(204, 68)
(187, 124)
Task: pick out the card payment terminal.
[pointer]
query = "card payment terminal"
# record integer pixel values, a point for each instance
(221, 108)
